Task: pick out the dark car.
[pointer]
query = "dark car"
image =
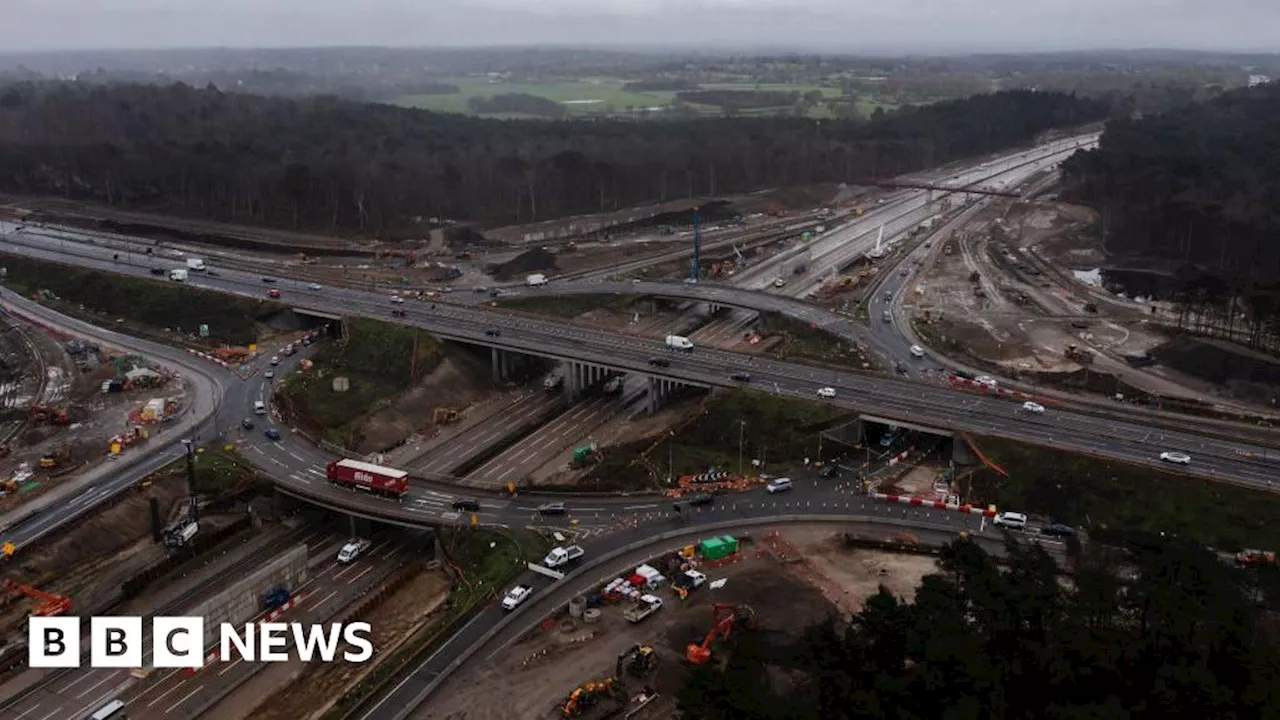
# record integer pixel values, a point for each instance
(467, 505)
(659, 362)
(702, 499)
(272, 433)
(247, 424)
(830, 471)
(397, 313)
(1058, 530)
(493, 332)
(157, 271)
(266, 279)
(552, 508)
(740, 377)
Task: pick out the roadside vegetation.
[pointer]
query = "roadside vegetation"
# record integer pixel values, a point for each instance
(568, 306)
(1190, 638)
(379, 360)
(170, 306)
(775, 430)
(1118, 501)
(801, 341)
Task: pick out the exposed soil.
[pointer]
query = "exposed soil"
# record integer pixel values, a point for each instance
(392, 620)
(461, 380)
(90, 562)
(541, 670)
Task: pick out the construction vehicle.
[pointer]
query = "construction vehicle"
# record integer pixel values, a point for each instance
(643, 608)
(584, 455)
(444, 415)
(1083, 356)
(48, 462)
(44, 604)
(588, 695)
(686, 582)
(725, 620)
(44, 413)
(638, 660)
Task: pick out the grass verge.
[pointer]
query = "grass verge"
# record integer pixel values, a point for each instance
(802, 341)
(1119, 500)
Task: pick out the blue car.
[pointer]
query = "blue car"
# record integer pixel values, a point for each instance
(272, 434)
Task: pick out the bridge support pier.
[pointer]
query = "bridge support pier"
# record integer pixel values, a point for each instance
(960, 453)
(659, 390)
(579, 377)
(505, 364)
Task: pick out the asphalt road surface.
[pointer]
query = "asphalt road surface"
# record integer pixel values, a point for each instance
(1112, 438)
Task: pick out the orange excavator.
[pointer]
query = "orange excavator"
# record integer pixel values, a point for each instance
(43, 604)
(588, 695)
(725, 619)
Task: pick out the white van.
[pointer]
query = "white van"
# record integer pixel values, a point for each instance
(917, 351)
(259, 408)
(679, 342)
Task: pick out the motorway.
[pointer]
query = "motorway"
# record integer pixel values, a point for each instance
(1108, 437)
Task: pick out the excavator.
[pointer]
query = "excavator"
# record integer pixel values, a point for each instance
(725, 619)
(638, 660)
(43, 604)
(587, 695)
(44, 413)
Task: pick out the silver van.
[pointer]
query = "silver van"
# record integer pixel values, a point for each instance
(259, 408)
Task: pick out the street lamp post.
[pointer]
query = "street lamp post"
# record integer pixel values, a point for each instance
(671, 456)
(742, 426)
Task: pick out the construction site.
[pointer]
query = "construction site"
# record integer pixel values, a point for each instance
(624, 649)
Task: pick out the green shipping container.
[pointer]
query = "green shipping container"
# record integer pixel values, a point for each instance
(730, 542)
(714, 549)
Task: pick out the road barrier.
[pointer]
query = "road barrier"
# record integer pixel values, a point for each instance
(937, 504)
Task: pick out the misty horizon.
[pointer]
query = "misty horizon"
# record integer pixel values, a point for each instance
(855, 27)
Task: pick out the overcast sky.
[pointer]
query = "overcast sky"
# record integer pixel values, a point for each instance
(829, 25)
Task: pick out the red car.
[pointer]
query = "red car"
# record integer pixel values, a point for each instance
(273, 293)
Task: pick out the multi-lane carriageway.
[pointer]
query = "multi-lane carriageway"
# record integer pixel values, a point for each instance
(1075, 429)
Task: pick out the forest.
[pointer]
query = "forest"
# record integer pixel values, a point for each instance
(1182, 637)
(1195, 191)
(334, 166)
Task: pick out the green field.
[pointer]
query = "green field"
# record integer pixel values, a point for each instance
(582, 97)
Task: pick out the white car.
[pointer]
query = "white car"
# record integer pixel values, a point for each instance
(269, 374)
(314, 286)
(917, 351)
(827, 392)
(515, 596)
(778, 485)
(1033, 407)
(397, 299)
(1014, 520)
(986, 381)
(1177, 458)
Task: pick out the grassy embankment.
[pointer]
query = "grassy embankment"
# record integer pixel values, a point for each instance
(159, 309)
(777, 430)
(379, 359)
(1117, 500)
(569, 306)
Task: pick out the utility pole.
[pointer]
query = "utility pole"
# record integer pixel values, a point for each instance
(697, 247)
(671, 456)
(742, 426)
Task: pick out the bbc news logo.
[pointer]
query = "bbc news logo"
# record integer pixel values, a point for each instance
(178, 642)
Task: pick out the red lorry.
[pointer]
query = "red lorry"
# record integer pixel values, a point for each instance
(365, 476)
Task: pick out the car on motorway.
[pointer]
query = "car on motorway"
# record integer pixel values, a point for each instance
(827, 392)
(157, 271)
(552, 508)
(516, 596)
(1177, 458)
(397, 313)
(740, 377)
(702, 499)
(466, 505)
(273, 293)
(779, 282)
(268, 280)
(830, 470)
(269, 374)
(888, 296)
(659, 362)
(313, 286)
(1033, 407)
(777, 485)
(1015, 520)
(493, 332)
(480, 289)
(917, 351)
(986, 381)
(247, 423)
(271, 433)
(275, 360)
(397, 299)
(1058, 530)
